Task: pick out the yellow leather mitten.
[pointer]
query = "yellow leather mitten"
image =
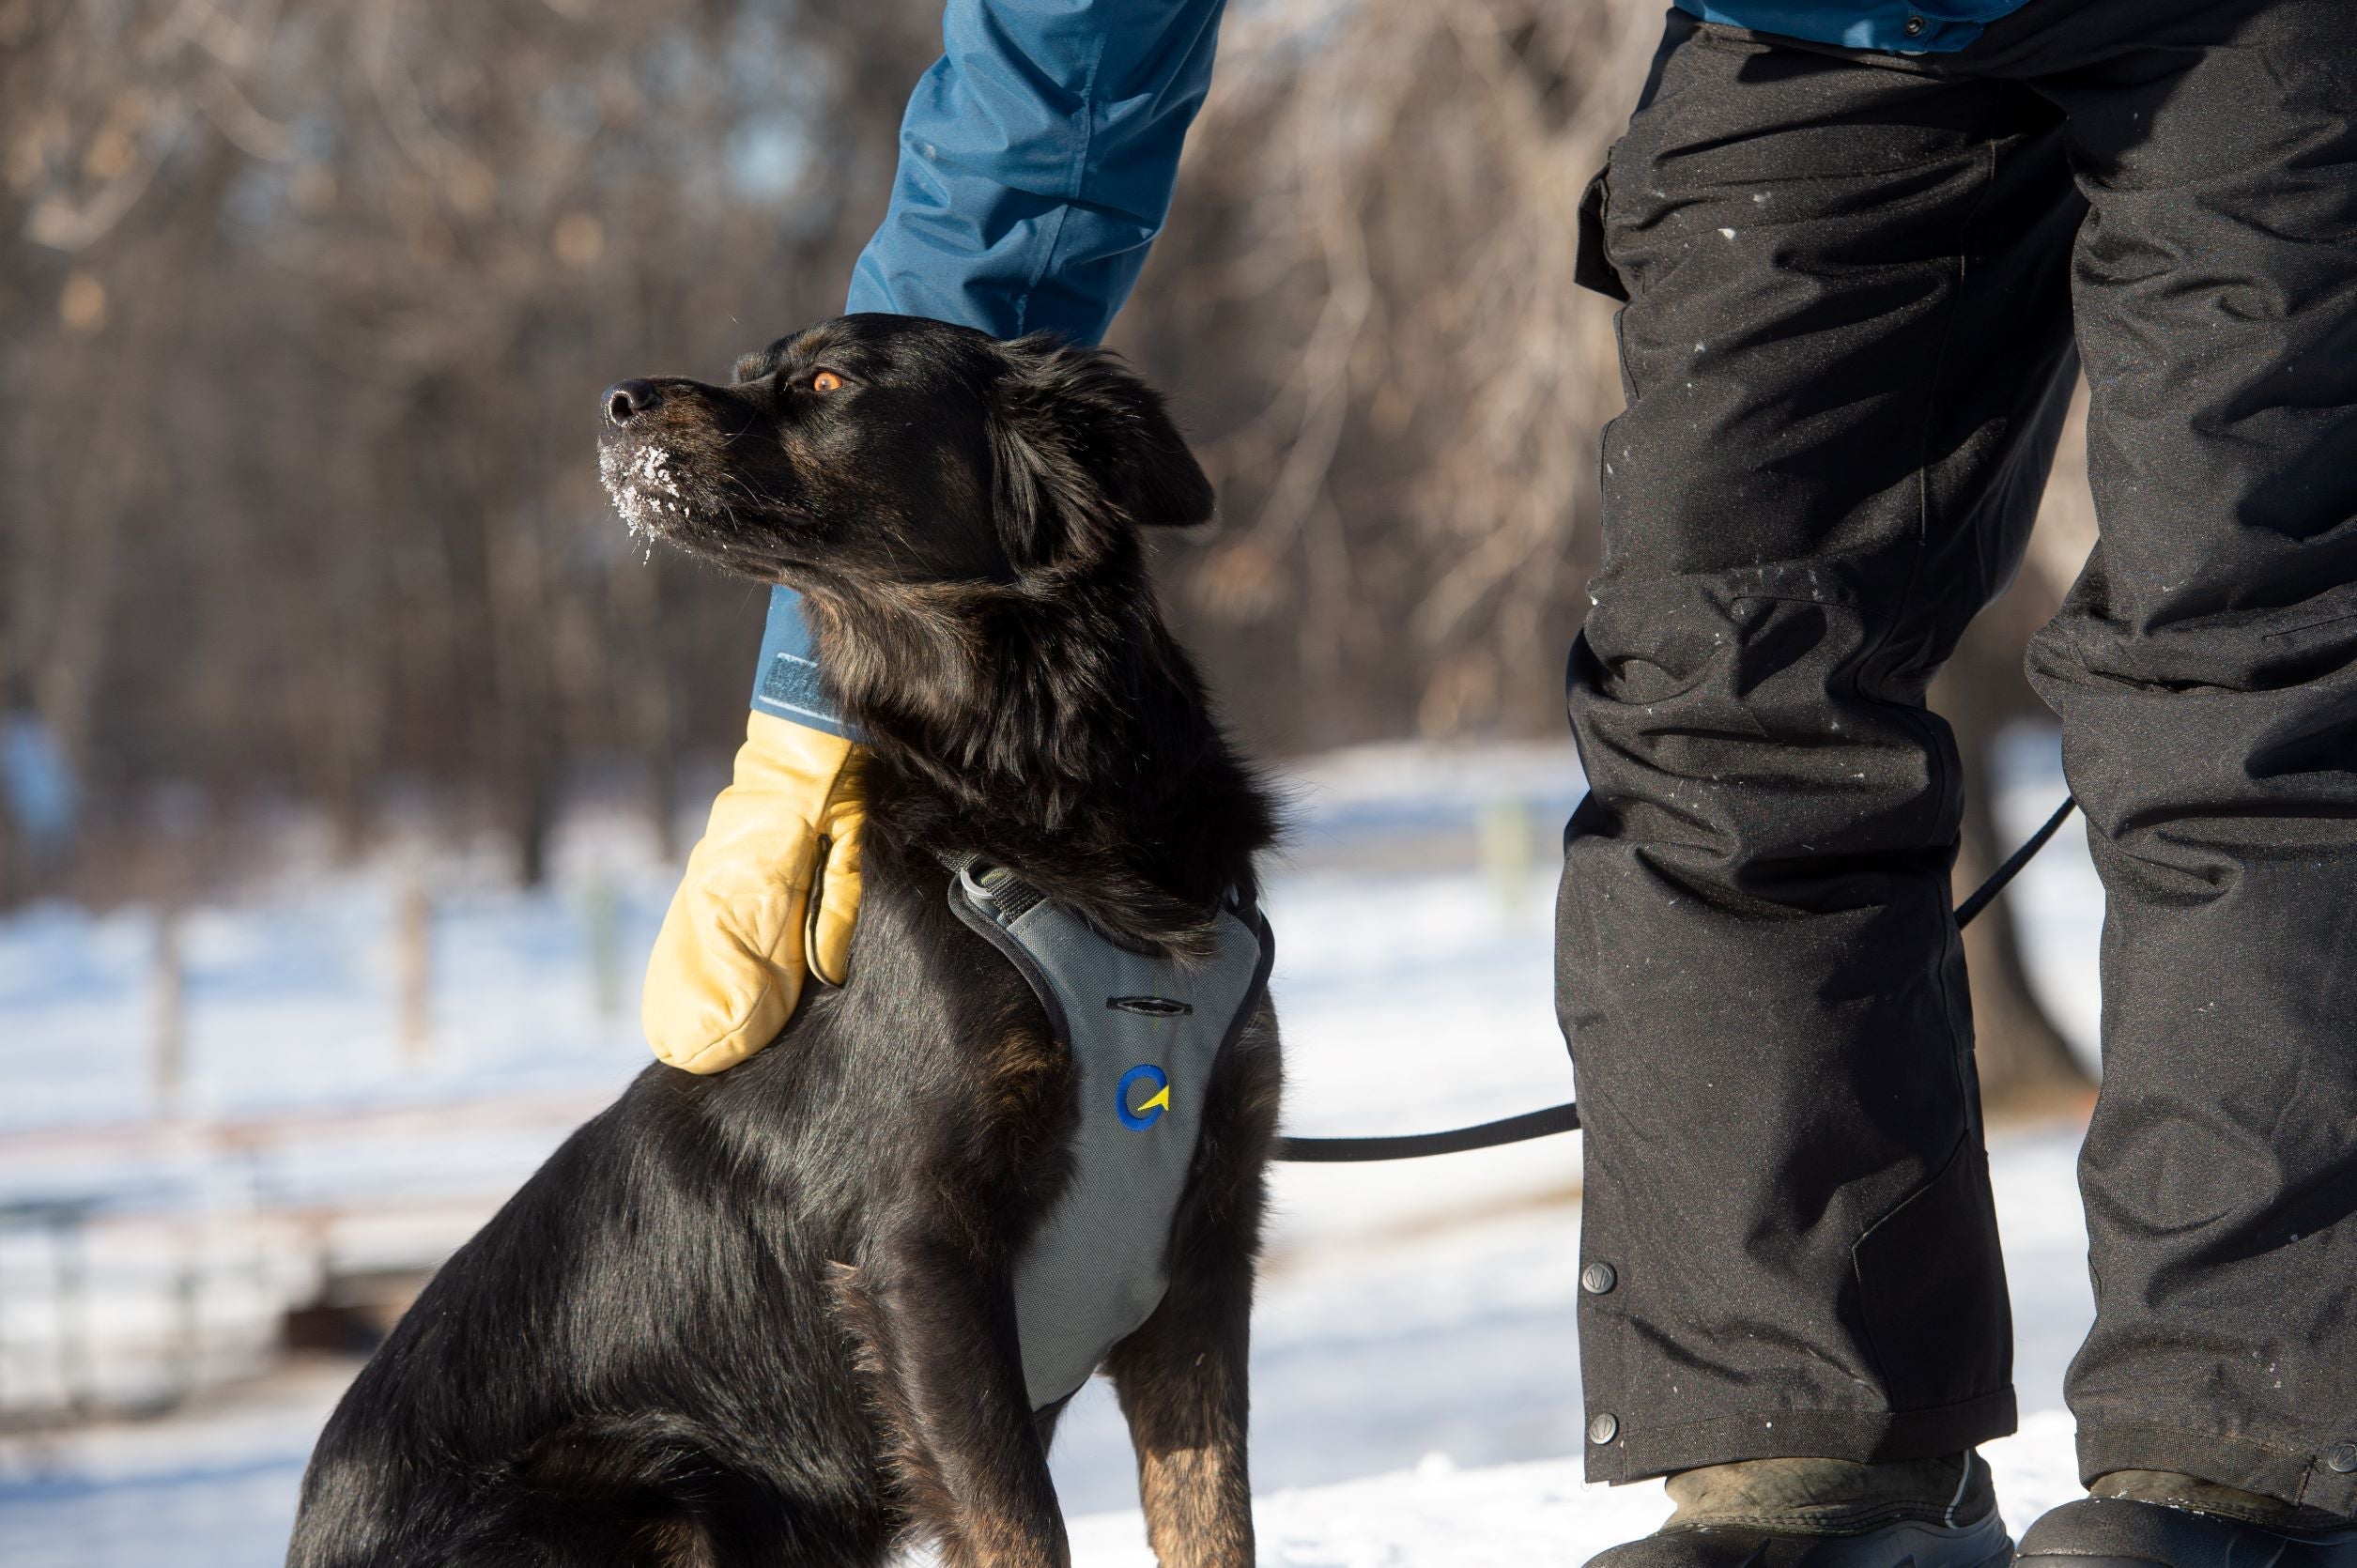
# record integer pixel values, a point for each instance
(728, 963)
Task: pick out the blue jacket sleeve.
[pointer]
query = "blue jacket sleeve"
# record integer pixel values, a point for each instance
(1037, 161)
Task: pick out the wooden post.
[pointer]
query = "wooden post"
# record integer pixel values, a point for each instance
(414, 969)
(76, 1374)
(168, 1001)
(1505, 837)
(603, 913)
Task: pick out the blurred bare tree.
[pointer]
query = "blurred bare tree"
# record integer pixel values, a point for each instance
(309, 300)
(1365, 302)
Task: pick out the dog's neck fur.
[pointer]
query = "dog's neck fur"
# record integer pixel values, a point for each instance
(1057, 728)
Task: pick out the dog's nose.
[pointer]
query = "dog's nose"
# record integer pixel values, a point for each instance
(626, 400)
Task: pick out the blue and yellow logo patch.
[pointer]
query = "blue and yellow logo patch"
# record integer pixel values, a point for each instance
(1142, 1096)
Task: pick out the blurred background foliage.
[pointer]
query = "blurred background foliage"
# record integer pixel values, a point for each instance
(308, 303)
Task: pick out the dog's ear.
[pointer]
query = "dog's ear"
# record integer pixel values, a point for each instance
(1080, 443)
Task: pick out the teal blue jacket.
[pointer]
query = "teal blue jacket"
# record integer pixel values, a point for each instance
(1036, 161)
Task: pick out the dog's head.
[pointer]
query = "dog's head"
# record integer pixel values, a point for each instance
(964, 517)
(874, 452)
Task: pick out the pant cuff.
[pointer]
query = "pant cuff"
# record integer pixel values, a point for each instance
(1867, 1437)
(2301, 1475)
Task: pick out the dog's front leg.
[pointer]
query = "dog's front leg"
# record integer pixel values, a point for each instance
(937, 1332)
(1182, 1376)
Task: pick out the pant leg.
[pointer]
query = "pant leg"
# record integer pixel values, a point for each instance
(2205, 668)
(1846, 351)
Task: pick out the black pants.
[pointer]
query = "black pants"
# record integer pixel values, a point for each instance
(1854, 283)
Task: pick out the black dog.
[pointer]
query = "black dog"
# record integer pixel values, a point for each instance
(765, 1317)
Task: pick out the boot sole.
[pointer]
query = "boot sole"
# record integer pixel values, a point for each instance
(1984, 1544)
(1981, 1546)
(2287, 1552)
(2153, 1535)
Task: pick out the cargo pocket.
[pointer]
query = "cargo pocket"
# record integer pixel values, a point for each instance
(1590, 268)
(1931, 1285)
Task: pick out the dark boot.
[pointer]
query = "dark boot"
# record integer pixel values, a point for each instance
(2140, 1519)
(1827, 1514)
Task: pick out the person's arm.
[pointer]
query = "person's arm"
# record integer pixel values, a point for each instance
(1037, 161)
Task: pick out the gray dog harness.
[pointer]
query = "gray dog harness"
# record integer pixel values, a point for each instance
(1144, 1033)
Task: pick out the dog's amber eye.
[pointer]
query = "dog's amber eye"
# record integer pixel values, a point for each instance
(826, 381)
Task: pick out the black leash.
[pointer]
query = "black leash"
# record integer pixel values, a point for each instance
(1987, 891)
(1513, 1130)
(1566, 1118)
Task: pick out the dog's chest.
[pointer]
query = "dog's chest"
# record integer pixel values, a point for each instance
(1144, 1035)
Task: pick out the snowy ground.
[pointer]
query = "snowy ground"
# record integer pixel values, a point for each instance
(1415, 1380)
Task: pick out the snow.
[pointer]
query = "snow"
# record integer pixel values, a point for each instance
(1415, 1379)
(1414, 1397)
(643, 487)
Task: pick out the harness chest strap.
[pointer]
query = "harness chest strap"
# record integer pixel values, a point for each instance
(1144, 1033)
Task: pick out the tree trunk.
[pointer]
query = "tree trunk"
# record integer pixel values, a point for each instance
(2025, 1069)
(2024, 1066)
